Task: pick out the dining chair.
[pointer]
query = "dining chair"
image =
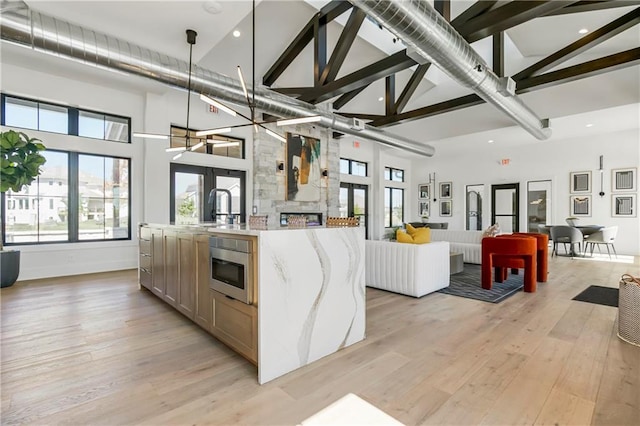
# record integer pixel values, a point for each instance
(566, 235)
(604, 236)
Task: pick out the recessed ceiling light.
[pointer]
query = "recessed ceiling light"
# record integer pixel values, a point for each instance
(490, 141)
(589, 125)
(380, 99)
(583, 31)
(236, 33)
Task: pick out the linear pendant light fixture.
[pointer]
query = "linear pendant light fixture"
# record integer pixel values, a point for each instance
(275, 135)
(150, 136)
(292, 121)
(213, 131)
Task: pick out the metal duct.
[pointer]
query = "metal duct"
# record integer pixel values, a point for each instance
(54, 36)
(424, 30)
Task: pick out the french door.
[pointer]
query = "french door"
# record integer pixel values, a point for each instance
(353, 203)
(190, 187)
(505, 206)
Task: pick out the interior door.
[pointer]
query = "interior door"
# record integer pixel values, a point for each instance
(505, 208)
(474, 207)
(353, 203)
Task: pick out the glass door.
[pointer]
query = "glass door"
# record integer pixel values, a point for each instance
(505, 209)
(353, 203)
(233, 184)
(187, 198)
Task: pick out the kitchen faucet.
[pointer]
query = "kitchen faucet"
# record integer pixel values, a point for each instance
(212, 201)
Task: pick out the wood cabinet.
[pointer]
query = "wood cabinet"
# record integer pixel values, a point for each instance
(157, 262)
(236, 324)
(186, 275)
(203, 266)
(144, 258)
(171, 277)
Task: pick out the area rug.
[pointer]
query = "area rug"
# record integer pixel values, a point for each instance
(467, 284)
(600, 295)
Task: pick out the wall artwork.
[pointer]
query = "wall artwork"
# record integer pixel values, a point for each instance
(445, 189)
(623, 205)
(445, 208)
(423, 191)
(624, 179)
(423, 208)
(580, 182)
(580, 205)
(303, 168)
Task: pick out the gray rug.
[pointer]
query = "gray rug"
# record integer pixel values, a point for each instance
(467, 284)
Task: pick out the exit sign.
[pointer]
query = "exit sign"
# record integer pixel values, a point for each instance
(213, 109)
(505, 161)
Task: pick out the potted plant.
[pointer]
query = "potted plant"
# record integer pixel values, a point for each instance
(20, 162)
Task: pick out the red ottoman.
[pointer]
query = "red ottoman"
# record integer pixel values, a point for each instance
(509, 252)
(542, 256)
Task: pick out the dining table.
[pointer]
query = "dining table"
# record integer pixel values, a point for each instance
(586, 230)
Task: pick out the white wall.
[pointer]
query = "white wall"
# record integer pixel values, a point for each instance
(549, 160)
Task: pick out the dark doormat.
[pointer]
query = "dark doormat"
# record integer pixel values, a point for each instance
(467, 284)
(600, 295)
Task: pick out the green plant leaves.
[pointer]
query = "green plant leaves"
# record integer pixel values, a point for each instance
(20, 160)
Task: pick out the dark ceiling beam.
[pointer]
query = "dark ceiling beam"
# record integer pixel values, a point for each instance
(390, 65)
(327, 14)
(439, 108)
(587, 69)
(319, 50)
(473, 11)
(347, 97)
(334, 9)
(410, 88)
(498, 53)
(444, 8)
(588, 41)
(390, 94)
(291, 52)
(587, 6)
(507, 16)
(347, 37)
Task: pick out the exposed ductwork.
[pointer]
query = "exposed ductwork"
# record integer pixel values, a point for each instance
(430, 36)
(27, 27)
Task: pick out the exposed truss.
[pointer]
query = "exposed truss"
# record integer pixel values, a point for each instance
(482, 19)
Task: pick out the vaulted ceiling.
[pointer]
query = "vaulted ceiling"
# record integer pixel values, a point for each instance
(363, 70)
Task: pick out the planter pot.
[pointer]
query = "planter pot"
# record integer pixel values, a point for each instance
(9, 267)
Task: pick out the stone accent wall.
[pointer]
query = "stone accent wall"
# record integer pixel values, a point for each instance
(269, 185)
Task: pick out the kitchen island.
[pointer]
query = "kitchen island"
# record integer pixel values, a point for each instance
(309, 289)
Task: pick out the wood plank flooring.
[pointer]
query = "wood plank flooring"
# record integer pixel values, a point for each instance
(94, 349)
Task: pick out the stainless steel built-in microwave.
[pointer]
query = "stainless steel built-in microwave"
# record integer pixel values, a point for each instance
(231, 268)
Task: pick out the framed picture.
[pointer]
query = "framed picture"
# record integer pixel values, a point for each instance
(623, 205)
(624, 179)
(423, 191)
(580, 205)
(304, 175)
(580, 182)
(445, 208)
(423, 208)
(445, 189)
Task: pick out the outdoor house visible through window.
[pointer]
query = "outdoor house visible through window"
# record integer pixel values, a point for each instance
(353, 167)
(77, 197)
(48, 117)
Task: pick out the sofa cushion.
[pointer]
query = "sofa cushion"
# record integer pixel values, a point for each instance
(403, 237)
(421, 236)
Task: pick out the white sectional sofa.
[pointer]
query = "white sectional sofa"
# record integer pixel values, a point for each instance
(411, 269)
(469, 243)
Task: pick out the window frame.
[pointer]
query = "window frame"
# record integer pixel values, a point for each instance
(73, 195)
(391, 173)
(350, 163)
(73, 117)
(208, 147)
(391, 188)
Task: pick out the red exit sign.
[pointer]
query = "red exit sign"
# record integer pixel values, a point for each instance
(213, 109)
(505, 161)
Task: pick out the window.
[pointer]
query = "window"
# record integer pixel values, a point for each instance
(392, 174)
(47, 117)
(90, 201)
(393, 207)
(353, 167)
(225, 146)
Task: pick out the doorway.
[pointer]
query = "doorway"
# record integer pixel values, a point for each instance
(505, 206)
(354, 199)
(538, 204)
(474, 207)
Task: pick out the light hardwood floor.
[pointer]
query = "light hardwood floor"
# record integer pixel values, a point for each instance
(94, 349)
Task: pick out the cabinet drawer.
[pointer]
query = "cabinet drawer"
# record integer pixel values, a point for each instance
(145, 278)
(144, 246)
(236, 324)
(145, 233)
(145, 261)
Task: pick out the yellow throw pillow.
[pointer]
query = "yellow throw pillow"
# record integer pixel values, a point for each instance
(422, 236)
(410, 229)
(403, 237)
